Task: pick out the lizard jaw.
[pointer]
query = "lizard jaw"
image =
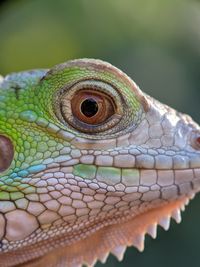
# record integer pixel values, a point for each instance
(115, 238)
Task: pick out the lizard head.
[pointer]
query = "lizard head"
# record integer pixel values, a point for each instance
(88, 164)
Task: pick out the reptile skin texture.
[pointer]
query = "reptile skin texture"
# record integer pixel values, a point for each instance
(89, 164)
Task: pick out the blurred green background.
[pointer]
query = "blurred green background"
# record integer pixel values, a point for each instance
(156, 42)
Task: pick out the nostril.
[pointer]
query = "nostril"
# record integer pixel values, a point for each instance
(196, 140)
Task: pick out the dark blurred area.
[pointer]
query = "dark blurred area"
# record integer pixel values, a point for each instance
(156, 42)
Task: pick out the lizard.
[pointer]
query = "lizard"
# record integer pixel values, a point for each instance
(89, 164)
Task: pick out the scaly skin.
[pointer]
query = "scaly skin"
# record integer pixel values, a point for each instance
(70, 193)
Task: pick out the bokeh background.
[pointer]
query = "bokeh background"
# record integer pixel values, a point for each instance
(156, 42)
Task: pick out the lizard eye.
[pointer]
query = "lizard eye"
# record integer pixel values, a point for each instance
(90, 106)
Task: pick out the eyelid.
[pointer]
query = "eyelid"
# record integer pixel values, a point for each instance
(107, 120)
(64, 112)
(127, 115)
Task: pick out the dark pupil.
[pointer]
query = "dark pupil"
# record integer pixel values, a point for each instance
(89, 107)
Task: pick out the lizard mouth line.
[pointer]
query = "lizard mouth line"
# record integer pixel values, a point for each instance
(119, 179)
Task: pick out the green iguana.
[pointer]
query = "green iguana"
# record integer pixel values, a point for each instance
(88, 165)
